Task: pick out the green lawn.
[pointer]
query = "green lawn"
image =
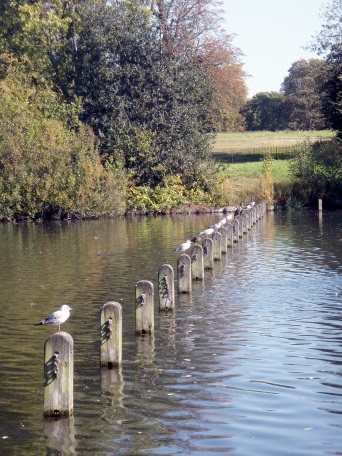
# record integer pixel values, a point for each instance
(228, 142)
(254, 170)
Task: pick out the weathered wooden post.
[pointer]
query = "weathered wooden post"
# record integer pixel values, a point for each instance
(239, 220)
(223, 232)
(244, 223)
(254, 215)
(111, 335)
(235, 225)
(184, 273)
(320, 205)
(197, 265)
(144, 308)
(166, 287)
(59, 375)
(208, 256)
(216, 246)
(229, 228)
(248, 221)
(258, 211)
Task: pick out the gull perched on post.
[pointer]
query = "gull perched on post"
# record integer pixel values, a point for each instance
(57, 318)
(185, 246)
(207, 232)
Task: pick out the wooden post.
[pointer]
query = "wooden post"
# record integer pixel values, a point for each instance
(223, 232)
(229, 228)
(166, 287)
(197, 266)
(320, 205)
(248, 221)
(59, 375)
(184, 273)
(144, 308)
(254, 215)
(208, 256)
(258, 211)
(235, 225)
(239, 226)
(243, 223)
(111, 335)
(217, 246)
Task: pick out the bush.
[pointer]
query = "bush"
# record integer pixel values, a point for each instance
(317, 169)
(47, 169)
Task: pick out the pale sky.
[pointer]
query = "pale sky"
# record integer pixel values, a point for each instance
(271, 34)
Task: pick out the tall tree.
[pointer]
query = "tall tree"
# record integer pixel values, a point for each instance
(193, 27)
(145, 103)
(223, 62)
(330, 34)
(328, 42)
(264, 111)
(303, 96)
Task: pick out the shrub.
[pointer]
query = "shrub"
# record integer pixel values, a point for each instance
(318, 169)
(47, 169)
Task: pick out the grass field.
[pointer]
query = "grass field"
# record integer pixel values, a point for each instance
(252, 170)
(242, 155)
(228, 142)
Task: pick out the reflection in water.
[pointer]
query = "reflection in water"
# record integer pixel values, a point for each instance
(112, 386)
(60, 436)
(249, 363)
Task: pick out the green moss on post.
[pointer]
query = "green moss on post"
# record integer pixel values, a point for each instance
(111, 335)
(59, 375)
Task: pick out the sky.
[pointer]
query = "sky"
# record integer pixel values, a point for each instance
(271, 34)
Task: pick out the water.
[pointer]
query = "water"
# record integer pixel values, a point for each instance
(250, 364)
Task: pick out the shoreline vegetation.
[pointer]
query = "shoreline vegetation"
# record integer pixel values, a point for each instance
(276, 181)
(110, 108)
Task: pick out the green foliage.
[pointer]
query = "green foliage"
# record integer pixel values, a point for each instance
(303, 95)
(264, 112)
(172, 193)
(147, 105)
(266, 180)
(318, 168)
(47, 169)
(331, 83)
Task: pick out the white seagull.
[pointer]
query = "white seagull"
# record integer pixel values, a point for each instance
(185, 246)
(216, 226)
(57, 318)
(207, 232)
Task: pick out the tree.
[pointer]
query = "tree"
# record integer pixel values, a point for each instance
(223, 62)
(48, 169)
(264, 111)
(328, 42)
(330, 34)
(192, 27)
(331, 84)
(146, 103)
(302, 92)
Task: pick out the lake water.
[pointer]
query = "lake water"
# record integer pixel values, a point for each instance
(250, 364)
